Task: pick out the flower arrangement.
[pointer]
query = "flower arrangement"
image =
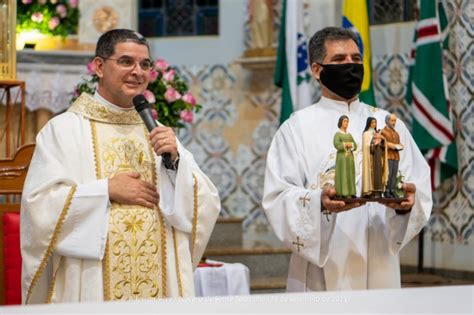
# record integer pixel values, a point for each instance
(49, 17)
(173, 104)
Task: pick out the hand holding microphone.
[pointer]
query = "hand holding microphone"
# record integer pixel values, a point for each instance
(162, 139)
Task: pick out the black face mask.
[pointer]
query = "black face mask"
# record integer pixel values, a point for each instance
(343, 79)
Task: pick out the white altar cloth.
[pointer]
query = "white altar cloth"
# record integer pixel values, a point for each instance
(221, 279)
(432, 300)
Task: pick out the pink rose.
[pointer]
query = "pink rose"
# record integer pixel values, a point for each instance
(53, 23)
(91, 68)
(161, 65)
(37, 17)
(172, 95)
(150, 97)
(189, 98)
(169, 75)
(187, 116)
(26, 1)
(73, 3)
(42, 1)
(61, 10)
(153, 75)
(154, 113)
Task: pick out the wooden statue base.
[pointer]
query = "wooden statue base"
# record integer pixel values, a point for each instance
(370, 199)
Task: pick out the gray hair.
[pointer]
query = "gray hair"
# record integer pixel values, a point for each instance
(317, 49)
(107, 41)
(387, 118)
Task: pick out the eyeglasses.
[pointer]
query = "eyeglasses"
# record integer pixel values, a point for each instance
(128, 63)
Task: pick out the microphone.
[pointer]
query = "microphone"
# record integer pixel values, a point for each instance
(144, 110)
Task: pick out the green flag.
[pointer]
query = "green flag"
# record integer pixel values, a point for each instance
(428, 95)
(292, 70)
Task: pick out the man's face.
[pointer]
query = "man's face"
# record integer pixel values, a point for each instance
(392, 121)
(338, 52)
(119, 83)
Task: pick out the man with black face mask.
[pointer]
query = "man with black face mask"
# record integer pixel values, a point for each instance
(339, 245)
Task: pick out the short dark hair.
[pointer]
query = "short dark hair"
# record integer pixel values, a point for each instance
(107, 41)
(317, 48)
(341, 119)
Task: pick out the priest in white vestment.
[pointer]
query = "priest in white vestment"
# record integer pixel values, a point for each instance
(338, 245)
(102, 217)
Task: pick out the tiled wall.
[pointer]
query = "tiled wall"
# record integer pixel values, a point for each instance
(231, 135)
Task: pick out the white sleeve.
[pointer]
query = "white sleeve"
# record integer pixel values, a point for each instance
(294, 211)
(415, 169)
(176, 189)
(84, 232)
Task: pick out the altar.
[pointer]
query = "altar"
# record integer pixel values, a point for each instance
(51, 76)
(433, 300)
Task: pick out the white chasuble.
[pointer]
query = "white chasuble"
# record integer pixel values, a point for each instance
(355, 249)
(77, 245)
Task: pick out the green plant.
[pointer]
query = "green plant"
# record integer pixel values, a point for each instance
(49, 17)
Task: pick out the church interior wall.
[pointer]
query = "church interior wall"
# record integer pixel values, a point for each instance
(231, 135)
(250, 114)
(207, 50)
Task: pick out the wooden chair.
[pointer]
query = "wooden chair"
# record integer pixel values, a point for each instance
(12, 177)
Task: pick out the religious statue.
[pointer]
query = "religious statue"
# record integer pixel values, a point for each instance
(393, 147)
(261, 28)
(374, 161)
(345, 167)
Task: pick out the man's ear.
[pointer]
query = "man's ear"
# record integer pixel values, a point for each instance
(316, 70)
(98, 66)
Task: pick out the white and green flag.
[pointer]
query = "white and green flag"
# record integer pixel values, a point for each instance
(292, 72)
(428, 93)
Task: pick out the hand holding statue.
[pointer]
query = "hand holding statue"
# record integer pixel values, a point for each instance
(328, 204)
(403, 207)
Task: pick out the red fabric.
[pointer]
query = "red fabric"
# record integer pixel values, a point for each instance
(200, 265)
(12, 257)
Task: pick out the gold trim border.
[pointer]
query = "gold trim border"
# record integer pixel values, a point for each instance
(163, 236)
(52, 243)
(52, 285)
(87, 106)
(106, 260)
(178, 271)
(95, 145)
(195, 215)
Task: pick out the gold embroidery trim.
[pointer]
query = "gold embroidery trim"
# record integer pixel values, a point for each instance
(105, 273)
(178, 271)
(52, 243)
(96, 150)
(52, 285)
(163, 236)
(105, 261)
(195, 215)
(163, 255)
(86, 105)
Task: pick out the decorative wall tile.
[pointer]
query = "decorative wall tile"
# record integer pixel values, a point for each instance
(231, 135)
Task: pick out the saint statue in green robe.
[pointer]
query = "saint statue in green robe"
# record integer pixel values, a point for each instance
(345, 168)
